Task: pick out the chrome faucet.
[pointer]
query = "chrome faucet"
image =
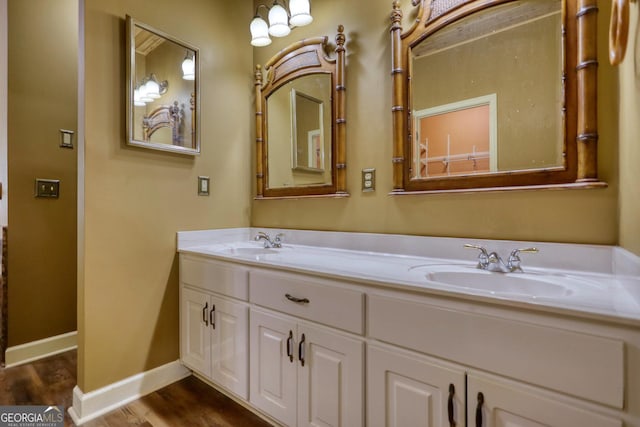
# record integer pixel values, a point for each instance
(268, 243)
(493, 262)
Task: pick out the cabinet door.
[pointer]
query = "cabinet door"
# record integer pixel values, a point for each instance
(229, 323)
(273, 372)
(195, 336)
(506, 403)
(330, 378)
(405, 389)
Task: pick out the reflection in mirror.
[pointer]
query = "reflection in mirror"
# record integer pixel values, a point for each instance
(296, 126)
(162, 88)
(300, 121)
(308, 129)
(490, 97)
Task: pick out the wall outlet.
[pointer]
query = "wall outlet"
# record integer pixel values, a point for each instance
(368, 180)
(203, 186)
(47, 188)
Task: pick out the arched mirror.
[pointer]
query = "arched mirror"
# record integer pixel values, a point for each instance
(162, 91)
(494, 94)
(300, 121)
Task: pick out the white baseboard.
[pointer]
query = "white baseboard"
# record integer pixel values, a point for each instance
(87, 406)
(24, 353)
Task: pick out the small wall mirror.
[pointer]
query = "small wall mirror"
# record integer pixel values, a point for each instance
(162, 91)
(486, 95)
(300, 121)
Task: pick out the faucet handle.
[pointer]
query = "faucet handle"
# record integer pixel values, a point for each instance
(514, 259)
(515, 252)
(277, 241)
(480, 248)
(483, 258)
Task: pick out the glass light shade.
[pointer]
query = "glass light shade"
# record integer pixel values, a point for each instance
(259, 32)
(153, 88)
(278, 21)
(136, 99)
(188, 69)
(144, 97)
(300, 12)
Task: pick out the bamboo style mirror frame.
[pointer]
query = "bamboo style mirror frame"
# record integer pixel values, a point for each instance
(575, 100)
(301, 152)
(168, 119)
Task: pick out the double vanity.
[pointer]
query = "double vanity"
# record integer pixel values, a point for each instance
(354, 329)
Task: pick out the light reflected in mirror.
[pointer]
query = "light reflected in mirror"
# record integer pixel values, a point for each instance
(162, 102)
(487, 93)
(298, 152)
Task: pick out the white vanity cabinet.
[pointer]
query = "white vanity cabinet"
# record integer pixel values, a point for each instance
(302, 373)
(214, 328)
(541, 376)
(497, 402)
(406, 389)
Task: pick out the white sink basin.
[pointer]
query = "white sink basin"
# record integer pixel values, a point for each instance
(249, 250)
(505, 284)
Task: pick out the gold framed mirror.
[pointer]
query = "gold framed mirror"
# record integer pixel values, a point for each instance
(300, 121)
(494, 94)
(163, 88)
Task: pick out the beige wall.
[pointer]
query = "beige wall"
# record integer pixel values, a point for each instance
(565, 216)
(630, 139)
(136, 199)
(42, 81)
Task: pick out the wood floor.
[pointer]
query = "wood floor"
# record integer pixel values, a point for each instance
(189, 402)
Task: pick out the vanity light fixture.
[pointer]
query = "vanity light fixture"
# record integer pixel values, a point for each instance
(149, 90)
(281, 21)
(188, 67)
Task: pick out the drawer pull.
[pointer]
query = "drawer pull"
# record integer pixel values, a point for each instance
(479, 409)
(212, 316)
(290, 346)
(298, 300)
(301, 350)
(452, 392)
(204, 314)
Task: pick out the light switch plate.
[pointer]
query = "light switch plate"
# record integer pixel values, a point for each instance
(47, 188)
(66, 138)
(203, 186)
(368, 180)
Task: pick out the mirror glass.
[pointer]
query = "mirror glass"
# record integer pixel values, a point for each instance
(494, 95)
(487, 95)
(298, 151)
(162, 101)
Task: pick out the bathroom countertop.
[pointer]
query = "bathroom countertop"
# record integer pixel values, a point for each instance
(598, 282)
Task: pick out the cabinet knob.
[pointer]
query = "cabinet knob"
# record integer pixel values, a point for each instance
(301, 354)
(290, 346)
(295, 299)
(452, 393)
(212, 316)
(204, 314)
(479, 409)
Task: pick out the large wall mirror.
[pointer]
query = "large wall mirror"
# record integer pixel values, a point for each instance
(494, 94)
(162, 91)
(300, 121)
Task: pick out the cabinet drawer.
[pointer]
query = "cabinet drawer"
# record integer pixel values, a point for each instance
(327, 303)
(226, 279)
(582, 365)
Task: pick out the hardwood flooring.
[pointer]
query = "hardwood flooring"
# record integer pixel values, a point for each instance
(188, 403)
